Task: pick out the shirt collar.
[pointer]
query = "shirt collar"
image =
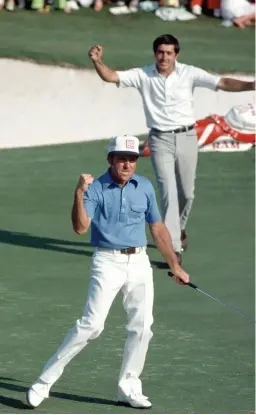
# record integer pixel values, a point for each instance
(176, 68)
(108, 181)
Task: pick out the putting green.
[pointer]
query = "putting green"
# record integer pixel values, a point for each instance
(201, 358)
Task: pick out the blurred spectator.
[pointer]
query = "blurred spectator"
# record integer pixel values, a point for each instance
(45, 6)
(8, 5)
(97, 5)
(169, 12)
(238, 12)
(241, 13)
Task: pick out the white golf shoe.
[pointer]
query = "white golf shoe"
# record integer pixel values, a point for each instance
(37, 393)
(137, 400)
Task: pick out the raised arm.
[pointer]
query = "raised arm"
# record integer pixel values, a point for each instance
(163, 242)
(108, 75)
(80, 220)
(235, 85)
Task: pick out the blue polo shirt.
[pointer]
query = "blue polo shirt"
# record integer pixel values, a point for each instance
(119, 213)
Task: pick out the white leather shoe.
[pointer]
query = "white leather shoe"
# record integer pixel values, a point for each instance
(37, 393)
(33, 399)
(138, 400)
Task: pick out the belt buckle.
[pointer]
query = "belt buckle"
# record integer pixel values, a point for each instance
(128, 251)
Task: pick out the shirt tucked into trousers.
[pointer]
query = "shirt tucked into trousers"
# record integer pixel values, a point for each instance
(119, 216)
(168, 105)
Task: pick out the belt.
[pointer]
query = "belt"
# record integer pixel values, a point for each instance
(126, 251)
(177, 130)
(130, 250)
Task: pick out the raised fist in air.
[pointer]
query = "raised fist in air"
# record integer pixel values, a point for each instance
(84, 181)
(95, 53)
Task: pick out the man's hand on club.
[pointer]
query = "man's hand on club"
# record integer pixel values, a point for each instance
(95, 53)
(179, 275)
(83, 182)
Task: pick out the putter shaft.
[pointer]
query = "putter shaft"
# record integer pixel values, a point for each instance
(221, 302)
(195, 287)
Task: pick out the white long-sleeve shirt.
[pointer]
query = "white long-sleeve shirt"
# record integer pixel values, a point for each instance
(168, 102)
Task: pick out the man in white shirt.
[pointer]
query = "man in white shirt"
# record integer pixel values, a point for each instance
(166, 88)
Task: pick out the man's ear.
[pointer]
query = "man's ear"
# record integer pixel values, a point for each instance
(110, 160)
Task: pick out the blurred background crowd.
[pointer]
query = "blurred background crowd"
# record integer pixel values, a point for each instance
(240, 13)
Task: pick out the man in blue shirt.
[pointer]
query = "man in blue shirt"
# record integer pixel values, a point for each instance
(116, 205)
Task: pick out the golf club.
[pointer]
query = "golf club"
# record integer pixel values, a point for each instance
(195, 287)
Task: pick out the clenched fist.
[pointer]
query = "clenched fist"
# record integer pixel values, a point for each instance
(84, 181)
(95, 53)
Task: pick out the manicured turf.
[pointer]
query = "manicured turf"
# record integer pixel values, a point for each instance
(201, 359)
(127, 40)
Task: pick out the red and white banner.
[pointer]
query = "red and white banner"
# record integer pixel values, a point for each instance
(233, 132)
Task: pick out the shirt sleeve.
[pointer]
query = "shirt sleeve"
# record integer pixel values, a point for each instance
(91, 201)
(205, 79)
(130, 78)
(152, 213)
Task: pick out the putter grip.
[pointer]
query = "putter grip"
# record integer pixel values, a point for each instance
(190, 283)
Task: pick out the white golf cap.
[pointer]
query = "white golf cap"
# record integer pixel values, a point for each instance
(124, 144)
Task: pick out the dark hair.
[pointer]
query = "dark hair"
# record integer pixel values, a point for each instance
(166, 40)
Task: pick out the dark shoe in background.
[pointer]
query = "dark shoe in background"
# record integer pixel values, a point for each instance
(184, 240)
(178, 255)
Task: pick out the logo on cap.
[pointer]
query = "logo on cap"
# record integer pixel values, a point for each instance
(129, 144)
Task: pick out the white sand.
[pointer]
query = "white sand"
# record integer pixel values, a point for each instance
(43, 105)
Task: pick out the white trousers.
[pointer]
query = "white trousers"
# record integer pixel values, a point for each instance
(112, 272)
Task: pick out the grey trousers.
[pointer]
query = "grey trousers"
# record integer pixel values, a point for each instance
(174, 159)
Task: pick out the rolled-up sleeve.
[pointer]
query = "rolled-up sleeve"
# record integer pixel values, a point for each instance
(91, 201)
(130, 78)
(205, 79)
(152, 213)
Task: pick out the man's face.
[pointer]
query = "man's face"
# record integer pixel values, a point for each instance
(122, 167)
(165, 57)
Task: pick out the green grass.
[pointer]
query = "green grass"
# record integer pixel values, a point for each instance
(127, 40)
(201, 358)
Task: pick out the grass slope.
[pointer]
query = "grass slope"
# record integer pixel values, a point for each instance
(127, 40)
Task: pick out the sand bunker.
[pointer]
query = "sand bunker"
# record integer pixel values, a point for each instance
(43, 105)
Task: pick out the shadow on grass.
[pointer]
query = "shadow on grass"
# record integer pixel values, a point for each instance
(39, 242)
(52, 244)
(15, 385)
(13, 403)
(160, 265)
(151, 246)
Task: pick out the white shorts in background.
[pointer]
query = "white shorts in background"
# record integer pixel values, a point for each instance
(231, 9)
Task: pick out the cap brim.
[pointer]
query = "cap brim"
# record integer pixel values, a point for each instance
(123, 153)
